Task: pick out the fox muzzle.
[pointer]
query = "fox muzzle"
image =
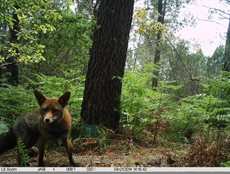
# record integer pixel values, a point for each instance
(48, 120)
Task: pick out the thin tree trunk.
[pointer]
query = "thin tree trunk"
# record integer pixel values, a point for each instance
(101, 103)
(160, 20)
(12, 66)
(2, 52)
(226, 66)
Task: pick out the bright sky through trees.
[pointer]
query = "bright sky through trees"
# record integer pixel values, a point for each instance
(208, 32)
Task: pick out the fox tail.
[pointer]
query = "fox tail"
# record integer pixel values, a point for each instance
(9, 141)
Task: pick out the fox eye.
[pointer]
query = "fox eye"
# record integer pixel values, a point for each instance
(45, 109)
(55, 110)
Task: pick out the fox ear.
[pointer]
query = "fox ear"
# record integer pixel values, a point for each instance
(40, 97)
(63, 100)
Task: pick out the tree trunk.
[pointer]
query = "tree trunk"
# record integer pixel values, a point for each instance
(160, 20)
(11, 62)
(2, 52)
(101, 103)
(226, 66)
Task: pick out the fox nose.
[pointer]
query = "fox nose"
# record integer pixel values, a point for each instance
(47, 120)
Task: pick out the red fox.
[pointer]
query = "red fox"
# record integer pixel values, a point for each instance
(52, 121)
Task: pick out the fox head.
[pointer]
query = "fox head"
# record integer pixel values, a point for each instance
(52, 109)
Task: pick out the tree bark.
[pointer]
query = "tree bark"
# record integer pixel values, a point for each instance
(160, 20)
(101, 103)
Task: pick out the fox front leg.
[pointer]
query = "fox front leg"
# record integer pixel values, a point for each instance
(68, 148)
(41, 152)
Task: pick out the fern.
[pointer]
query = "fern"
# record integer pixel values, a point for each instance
(204, 112)
(139, 101)
(15, 101)
(21, 149)
(3, 129)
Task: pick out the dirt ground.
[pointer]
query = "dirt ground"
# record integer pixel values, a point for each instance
(128, 151)
(118, 153)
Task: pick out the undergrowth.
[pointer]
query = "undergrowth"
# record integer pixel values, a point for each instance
(23, 152)
(201, 116)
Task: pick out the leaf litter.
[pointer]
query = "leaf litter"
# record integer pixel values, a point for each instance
(125, 151)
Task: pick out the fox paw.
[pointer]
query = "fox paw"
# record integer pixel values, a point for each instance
(75, 164)
(41, 165)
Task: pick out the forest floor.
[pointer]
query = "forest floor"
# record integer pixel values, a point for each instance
(118, 153)
(127, 151)
(121, 153)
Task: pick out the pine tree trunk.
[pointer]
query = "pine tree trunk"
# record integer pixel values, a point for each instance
(160, 20)
(101, 101)
(226, 66)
